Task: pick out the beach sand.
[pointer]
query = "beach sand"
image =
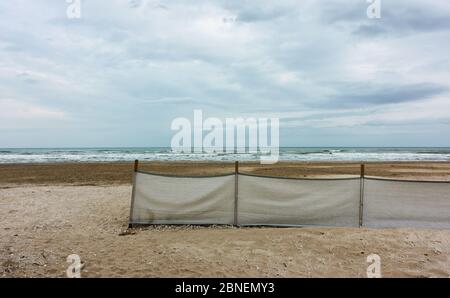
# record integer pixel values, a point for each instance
(49, 211)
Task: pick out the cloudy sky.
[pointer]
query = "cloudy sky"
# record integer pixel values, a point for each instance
(122, 72)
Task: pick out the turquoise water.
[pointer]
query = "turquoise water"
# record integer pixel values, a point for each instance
(42, 155)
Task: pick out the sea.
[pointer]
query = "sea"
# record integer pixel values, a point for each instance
(55, 155)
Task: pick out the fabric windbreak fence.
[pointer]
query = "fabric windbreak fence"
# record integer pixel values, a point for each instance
(242, 199)
(394, 203)
(182, 200)
(304, 202)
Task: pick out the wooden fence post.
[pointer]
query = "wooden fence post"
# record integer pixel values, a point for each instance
(361, 195)
(136, 165)
(236, 185)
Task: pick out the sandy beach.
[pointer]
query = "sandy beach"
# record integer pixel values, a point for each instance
(49, 211)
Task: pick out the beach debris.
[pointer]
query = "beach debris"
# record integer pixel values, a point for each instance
(127, 232)
(437, 251)
(36, 263)
(9, 266)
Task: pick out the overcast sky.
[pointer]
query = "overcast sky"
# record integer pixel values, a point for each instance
(122, 72)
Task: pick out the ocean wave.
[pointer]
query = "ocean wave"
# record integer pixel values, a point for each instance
(434, 152)
(325, 151)
(160, 154)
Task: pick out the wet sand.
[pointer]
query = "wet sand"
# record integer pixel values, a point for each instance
(120, 173)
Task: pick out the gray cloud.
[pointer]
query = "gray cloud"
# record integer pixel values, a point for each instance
(129, 66)
(416, 18)
(375, 94)
(264, 11)
(370, 30)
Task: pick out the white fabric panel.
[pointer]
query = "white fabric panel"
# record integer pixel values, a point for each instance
(389, 204)
(176, 200)
(298, 202)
